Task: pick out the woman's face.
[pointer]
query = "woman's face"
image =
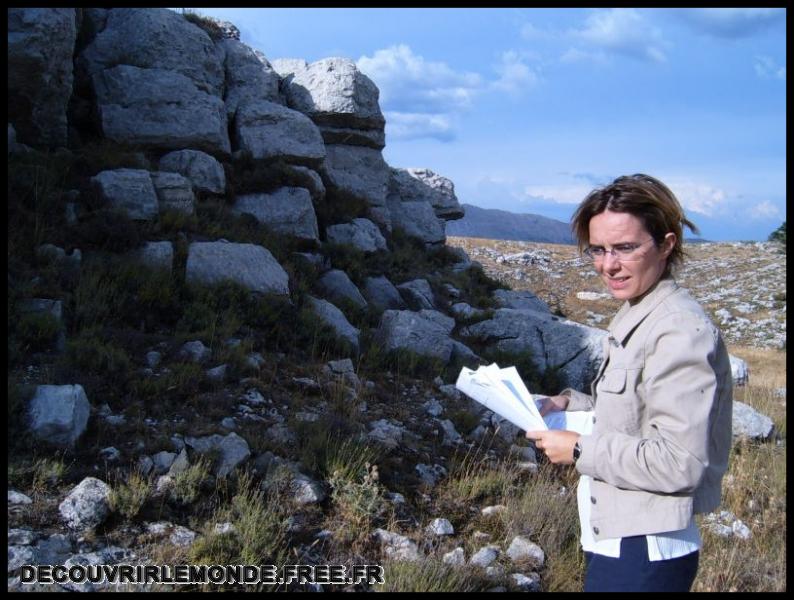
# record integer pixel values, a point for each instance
(630, 277)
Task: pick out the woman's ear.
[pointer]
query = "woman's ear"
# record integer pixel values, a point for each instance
(668, 244)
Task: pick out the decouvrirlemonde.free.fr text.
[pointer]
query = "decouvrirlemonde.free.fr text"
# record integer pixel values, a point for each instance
(203, 574)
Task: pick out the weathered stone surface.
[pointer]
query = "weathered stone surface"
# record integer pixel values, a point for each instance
(233, 450)
(335, 318)
(553, 342)
(288, 210)
(440, 527)
(87, 505)
(417, 332)
(336, 286)
(417, 294)
(174, 192)
(247, 264)
(249, 76)
(40, 46)
(398, 547)
(739, 371)
(749, 423)
(204, 172)
(129, 190)
(372, 138)
(270, 130)
(155, 38)
(358, 171)
(520, 299)
(160, 109)
(423, 185)
(360, 233)
(157, 255)
(288, 66)
(522, 548)
(332, 91)
(59, 413)
(381, 293)
(417, 219)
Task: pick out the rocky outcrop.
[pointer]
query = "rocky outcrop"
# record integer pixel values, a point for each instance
(423, 185)
(204, 172)
(59, 413)
(40, 47)
(247, 264)
(553, 343)
(288, 210)
(360, 233)
(425, 332)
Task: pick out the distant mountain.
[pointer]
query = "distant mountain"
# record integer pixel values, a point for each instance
(496, 224)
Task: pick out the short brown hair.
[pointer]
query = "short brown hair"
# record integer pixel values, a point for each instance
(646, 198)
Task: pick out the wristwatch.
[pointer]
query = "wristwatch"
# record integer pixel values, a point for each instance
(577, 452)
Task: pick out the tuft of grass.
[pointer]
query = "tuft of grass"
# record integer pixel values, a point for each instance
(187, 485)
(259, 534)
(207, 24)
(47, 473)
(431, 575)
(128, 498)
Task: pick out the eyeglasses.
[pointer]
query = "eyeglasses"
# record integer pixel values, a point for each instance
(620, 252)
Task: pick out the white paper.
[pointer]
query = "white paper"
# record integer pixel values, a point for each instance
(503, 392)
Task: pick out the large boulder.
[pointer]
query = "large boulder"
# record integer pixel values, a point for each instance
(249, 265)
(159, 108)
(358, 172)
(232, 448)
(128, 190)
(155, 38)
(336, 285)
(336, 320)
(381, 293)
(749, 423)
(576, 349)
(40, 73)
(425, 333)
(174, 192)
(519, 299)
(249, 76)
(417, 219)
(268, 130)
(87, 505)
(288, 210)
(332, 91)
(59, 413)
(414, 185)
(204, 172)
(360, 233)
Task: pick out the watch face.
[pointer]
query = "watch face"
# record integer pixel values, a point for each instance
(577, 451)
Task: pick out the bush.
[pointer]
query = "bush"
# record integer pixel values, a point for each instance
(128, 498)
(36, 332)
(187, 485)
(779, 235)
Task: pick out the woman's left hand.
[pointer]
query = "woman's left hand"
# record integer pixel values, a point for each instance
(556, 444)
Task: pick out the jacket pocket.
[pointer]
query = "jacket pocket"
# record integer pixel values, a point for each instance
(617, 405)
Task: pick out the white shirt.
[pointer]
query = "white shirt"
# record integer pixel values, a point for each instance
(661, 546)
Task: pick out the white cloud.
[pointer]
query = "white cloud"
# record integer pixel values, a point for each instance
(515, 75)
(409, 83)
(698, 197)
(560, 194)
(622, 31)
(764, 210)
(407, 126)
(532, 34)
(574, 55)
(732, 22)
(767, 68)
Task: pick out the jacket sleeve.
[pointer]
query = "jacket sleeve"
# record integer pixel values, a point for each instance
(577, 400)
(678, 388)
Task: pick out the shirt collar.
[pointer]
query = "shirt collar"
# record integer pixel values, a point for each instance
(628, 317)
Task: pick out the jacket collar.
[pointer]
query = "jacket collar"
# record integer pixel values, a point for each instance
(628, 317)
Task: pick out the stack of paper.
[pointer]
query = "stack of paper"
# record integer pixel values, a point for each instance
(503, 392)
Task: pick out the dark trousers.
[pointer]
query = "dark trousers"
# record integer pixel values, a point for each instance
(633, 572)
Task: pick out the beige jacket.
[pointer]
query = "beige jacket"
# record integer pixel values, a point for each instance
(663, 413)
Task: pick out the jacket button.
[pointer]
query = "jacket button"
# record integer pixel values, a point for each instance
(592, 499)
(595, 530)
(594, 419)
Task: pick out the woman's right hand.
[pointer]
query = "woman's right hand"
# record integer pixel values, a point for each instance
(553, 404)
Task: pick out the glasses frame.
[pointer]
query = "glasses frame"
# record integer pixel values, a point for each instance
(615, 253)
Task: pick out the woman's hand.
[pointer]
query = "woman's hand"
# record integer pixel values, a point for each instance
(556, 444)
(553, 404)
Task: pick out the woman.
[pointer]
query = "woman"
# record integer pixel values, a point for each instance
(661, 399)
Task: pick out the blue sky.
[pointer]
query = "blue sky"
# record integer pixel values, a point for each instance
(528, 109)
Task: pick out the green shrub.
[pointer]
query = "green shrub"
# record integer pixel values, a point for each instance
(36, 331)
(187, 485)
(431, 575)
(128, 498)
(259, 530)
(90, 353)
